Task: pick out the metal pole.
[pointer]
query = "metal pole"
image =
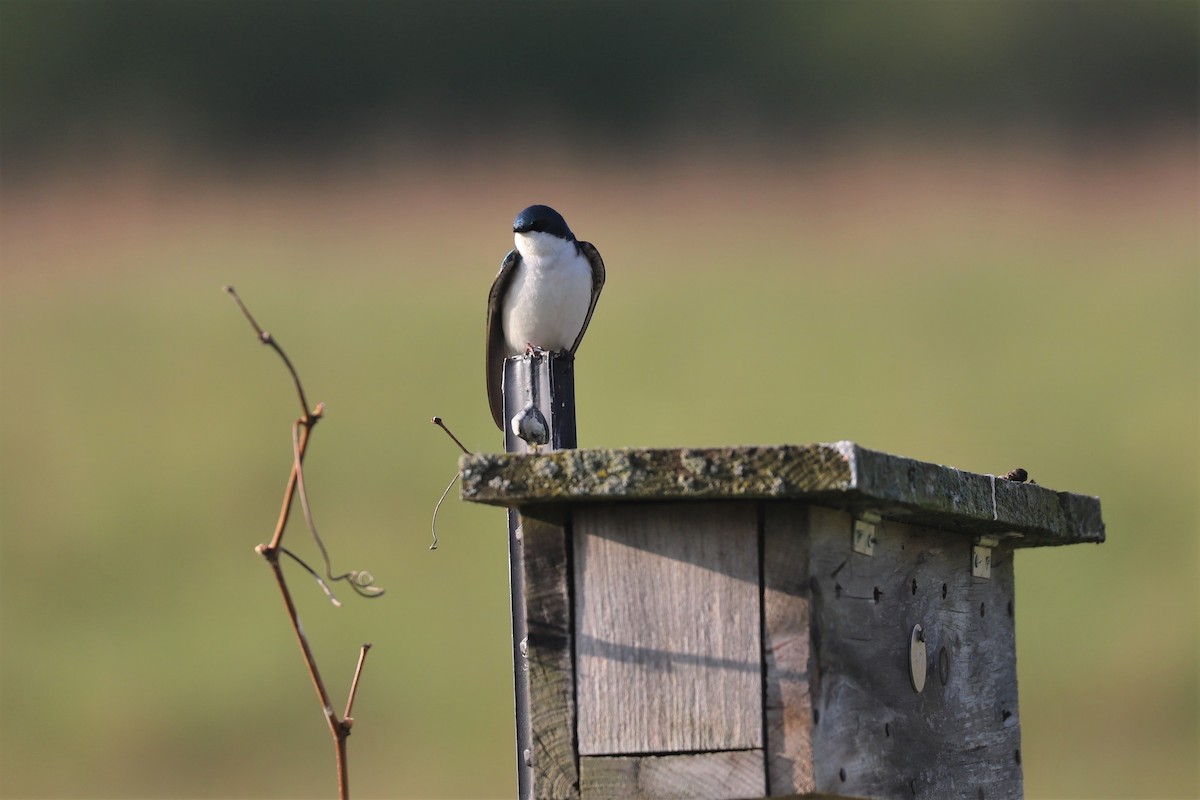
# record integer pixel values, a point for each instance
(539, 413)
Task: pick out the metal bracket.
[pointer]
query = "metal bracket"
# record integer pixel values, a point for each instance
(863, 540)
(539, 402)
(981, 556)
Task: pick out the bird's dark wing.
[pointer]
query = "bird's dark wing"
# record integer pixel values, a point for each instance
(496, 347)
(593, 256)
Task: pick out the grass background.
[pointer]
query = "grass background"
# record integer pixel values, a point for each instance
(983, 306)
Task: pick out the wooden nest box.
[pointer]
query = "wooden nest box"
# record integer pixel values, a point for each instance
(767, 621)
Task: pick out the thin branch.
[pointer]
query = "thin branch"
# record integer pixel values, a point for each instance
(316, 576)
(298, 471)
(269, 340)
(306, 423)
(438, 508)
(360, 580)
(348, 717)
(272, 557)
(438, 421)
(343, 762)
(433, 527)
(337, 727)
(308, 418)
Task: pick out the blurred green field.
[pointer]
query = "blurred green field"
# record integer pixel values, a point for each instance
(973, 307)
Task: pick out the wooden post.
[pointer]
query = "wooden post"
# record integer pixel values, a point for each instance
(821, 620)
(539, 407)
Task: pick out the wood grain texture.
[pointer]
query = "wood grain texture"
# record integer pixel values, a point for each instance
(581, 475)
(786, 649)
(875, 736)
(842, 475)
(667, 613)
(550, 654)
(712, 776)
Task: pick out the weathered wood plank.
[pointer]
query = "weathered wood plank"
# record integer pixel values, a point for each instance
(786, 649)
(711, 776)
(550, 654)
(875, 735)
(667, 614)
(841, 475)
(580, 475)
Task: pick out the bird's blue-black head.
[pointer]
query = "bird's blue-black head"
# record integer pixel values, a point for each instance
(542, 219)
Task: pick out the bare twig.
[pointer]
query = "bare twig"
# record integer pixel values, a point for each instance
(316, 576)
(438, 508)
(307, 419)
(309, 658)
(336, 728)
(307, 422)
(348, 717)
(269, 340)
(360, 580)
(438, 421)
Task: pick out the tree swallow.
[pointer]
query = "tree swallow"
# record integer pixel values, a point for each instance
(543, 296)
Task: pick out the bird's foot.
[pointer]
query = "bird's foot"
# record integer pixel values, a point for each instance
(532, 349)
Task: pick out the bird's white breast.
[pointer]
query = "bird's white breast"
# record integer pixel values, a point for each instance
(549, 296)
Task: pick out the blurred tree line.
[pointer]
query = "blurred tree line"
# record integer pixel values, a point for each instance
(247, 74)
